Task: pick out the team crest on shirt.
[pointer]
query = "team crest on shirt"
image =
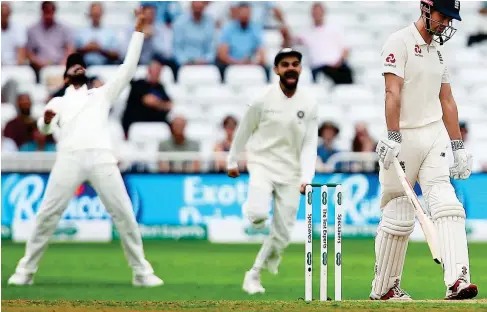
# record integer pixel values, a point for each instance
(300, 114)
(390, 60)
(417, 51)
(440, 57)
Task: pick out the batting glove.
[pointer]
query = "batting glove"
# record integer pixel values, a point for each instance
(389, 148)
(462, 166)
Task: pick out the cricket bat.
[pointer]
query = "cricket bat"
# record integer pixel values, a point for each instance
(427, 225)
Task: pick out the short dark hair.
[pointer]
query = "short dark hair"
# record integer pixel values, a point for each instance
(46, 4)
(228, 119)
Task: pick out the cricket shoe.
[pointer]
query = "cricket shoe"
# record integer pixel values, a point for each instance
(20, 279)
(147, 281)
(394, 294)
(251, 284)
(461, 290)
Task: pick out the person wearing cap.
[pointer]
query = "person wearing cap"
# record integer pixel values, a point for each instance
(422, 120)
(280, 127)
(328, 131)
(80, 118)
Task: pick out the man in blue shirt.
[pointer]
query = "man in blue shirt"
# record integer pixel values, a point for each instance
(327, 132)
(241, 42)
(194, 35)
(97, 44)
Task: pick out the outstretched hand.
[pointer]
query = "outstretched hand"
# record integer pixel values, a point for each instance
(140, 19)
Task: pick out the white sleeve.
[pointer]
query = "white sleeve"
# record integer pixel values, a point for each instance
(127, 70)
(394, 57)
(53, 125)
(309, 149)
(246, 127)
(445, 78)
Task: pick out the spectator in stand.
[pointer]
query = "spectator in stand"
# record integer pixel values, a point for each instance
(39, 143)
(229, 126)
(48, 42)
(157, 41)
(166, 12)
(21, 128)
(241, 43)
(179, 143)
(98, 44)
(148, 100)
(13, 39)
(326, 47)
(194, 35)
(481, 34)
(328, 132)
(224, 11)
(363, 142)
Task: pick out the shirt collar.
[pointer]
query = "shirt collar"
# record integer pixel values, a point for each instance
(417, 36)
(71, 89)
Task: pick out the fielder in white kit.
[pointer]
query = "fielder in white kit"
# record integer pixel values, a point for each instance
(422, 120)
(84, 153)
(281, 129)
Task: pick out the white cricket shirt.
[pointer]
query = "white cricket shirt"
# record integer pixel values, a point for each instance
(81, 120)
(423, 69)
(282, 135)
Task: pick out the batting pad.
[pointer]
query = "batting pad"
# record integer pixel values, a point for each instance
(391, 242)
(448, 216)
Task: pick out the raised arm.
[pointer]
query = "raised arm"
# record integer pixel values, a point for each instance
(309, 149)
(126, 71)
(247, 126)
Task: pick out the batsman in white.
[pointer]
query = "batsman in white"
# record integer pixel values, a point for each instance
(422, 120)
(281, 129)
(84, 154)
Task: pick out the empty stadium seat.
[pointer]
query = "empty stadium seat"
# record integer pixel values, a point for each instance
(200, 130)
(272, 39)
(23, 74)
(330, 113)
(116, 131)
(217, 113)
(214, 95)
(37, 110)
(52, 76)
(9, 112)
(144, 133)
(368, 112)
(190, 112)
(241, 75)
(471, 112)
(38, 92)
(197, 75)
(352, 95)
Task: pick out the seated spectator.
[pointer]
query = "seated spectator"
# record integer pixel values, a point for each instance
(166, 12)
(179, 143)
(326, 47)
(8, 145)
(148, 100)
(21, 128)
(481, 34)
(363, 142)
(241, 43)
(223, 11)
(38, 144)
(13, 39)
(328, 132)
(229, 126)
(98, 44)
(194, 35)
(48, 42)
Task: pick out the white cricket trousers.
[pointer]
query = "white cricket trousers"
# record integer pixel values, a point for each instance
(262, 190)
(71, 169)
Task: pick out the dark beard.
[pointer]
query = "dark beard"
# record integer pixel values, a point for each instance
(25, 112)
(78, 80)
(289, 87)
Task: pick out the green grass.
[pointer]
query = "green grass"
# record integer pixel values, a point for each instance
(204, 276)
